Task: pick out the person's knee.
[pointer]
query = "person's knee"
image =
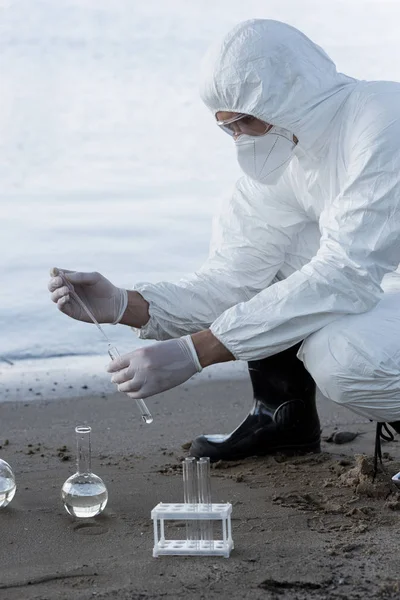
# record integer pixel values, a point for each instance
(334, 363)
(355, 361)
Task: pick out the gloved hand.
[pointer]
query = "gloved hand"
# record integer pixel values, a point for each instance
(106, 301)
(155, 368)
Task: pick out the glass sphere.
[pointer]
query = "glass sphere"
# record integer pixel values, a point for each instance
(7, 484)
(84, 495)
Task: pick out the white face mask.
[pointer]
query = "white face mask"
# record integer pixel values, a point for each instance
(265, 157)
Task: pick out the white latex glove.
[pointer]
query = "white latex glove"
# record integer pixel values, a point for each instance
(106, 301)
(155, 368)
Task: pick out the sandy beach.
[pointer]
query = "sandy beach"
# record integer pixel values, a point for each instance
(304, 527)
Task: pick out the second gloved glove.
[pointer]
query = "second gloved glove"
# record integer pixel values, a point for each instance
(155, 368)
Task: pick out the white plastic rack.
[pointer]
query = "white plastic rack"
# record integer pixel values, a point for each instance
(192, 512)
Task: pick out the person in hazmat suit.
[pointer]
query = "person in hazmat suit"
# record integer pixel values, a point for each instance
(301, 277)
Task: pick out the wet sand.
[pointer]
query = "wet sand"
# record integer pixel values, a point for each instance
(311, 527)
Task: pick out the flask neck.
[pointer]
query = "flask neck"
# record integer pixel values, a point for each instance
(83, 450)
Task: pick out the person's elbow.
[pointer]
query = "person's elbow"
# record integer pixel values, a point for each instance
(357, 284)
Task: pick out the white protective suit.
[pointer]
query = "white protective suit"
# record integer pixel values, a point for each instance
(308, 254)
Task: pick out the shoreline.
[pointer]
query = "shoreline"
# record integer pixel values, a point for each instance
(70, 376)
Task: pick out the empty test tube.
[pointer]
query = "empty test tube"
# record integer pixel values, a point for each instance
(144, 411)
(204, 498)
(190, 498)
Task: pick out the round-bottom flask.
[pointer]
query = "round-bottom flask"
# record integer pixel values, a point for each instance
(7, 484)
(84, 494)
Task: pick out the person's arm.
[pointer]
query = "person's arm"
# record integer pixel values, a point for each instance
(359, 244)
(209, 348)
(250, 237)
(137, 311)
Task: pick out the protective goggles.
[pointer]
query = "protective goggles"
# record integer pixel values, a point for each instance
(242, 124)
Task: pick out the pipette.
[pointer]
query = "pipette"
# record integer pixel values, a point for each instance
(112, 350)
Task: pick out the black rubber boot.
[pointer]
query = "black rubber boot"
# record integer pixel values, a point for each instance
(283, 418)
(395, 425)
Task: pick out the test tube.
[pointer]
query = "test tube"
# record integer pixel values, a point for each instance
(190, 498)
(204, 495)
(144, 411)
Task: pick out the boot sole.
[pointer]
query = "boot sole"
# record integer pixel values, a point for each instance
(287, 450)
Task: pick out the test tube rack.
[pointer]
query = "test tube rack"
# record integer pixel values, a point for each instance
(198, 512)
(189, 512)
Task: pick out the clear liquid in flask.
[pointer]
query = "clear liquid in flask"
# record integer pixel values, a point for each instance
(7, 484)
(84, 495)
